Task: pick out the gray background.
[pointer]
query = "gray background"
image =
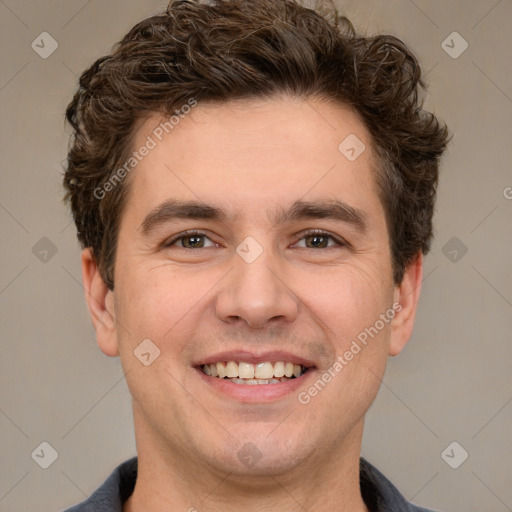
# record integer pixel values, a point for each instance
(452, 382)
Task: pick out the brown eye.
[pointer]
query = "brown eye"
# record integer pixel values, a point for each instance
(319, 240)
(191, 240)
(316, 241)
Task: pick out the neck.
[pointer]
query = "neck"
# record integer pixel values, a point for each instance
(169, 480)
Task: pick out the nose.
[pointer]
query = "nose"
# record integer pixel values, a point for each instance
(256, 293)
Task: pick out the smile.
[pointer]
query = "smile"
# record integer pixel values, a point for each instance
(240, 372)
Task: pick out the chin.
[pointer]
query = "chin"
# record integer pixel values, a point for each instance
(259, 452)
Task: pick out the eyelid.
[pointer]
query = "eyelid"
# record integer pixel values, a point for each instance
(191, 232)
(184, 234)
(338, 239)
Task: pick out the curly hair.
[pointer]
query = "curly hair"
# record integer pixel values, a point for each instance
(222, 50)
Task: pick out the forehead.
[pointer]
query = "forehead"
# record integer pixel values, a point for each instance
(252, 153)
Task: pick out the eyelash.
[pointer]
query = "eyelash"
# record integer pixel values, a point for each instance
(186, 234)
(340, 242)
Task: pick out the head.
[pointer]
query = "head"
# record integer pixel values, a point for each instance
(270, 130)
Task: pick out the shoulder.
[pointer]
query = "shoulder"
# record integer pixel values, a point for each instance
(380, 495)
(113, 493)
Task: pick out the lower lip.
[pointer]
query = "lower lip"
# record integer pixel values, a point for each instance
(256, 393)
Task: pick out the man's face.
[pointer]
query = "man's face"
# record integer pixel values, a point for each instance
(248, 236)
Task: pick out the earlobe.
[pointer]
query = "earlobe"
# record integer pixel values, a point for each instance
(406, 295)
(100, 303)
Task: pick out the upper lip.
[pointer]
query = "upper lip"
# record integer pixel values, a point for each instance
(255, 358)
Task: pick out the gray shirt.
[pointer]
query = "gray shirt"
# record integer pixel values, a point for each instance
(379, 494)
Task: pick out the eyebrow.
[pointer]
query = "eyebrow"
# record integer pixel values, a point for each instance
(171, 210)
(334, 209)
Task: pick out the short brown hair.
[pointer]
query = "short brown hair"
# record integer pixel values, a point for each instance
(221, 50)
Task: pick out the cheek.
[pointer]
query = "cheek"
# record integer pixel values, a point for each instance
(348, 301)
(161, 303)
(349, 306)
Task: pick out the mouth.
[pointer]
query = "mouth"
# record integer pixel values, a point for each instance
(263, 373)
(254, 378)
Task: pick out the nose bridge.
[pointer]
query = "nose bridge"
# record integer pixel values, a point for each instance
(255, 292)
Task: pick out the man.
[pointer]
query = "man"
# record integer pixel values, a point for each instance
(253, 186)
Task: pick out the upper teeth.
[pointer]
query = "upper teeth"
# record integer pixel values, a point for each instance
(243, 370)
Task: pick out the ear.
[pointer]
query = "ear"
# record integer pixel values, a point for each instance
(406, 298)
(100, 301)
